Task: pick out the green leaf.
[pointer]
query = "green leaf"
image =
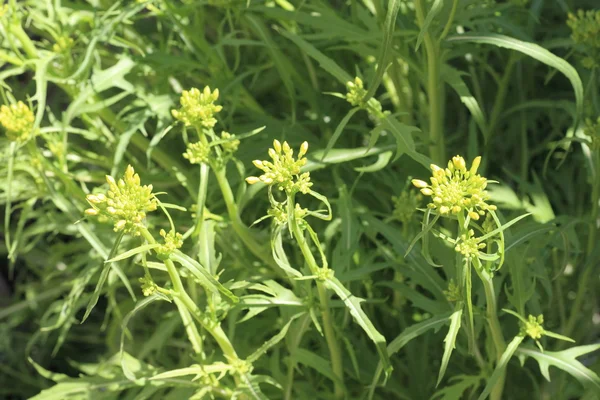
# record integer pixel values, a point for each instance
(103, 276)
(279, 253)
(386, 46)
(534, 51)
(404, 338)
(316, 362)
(501, 366)
(450, 340)
(453, 78)
(138, 307)
(353, 304)
(325, 62)
(338, 131)
(436, 7)
(199, 370)
(272, 341)
(282, 64)
(567, 361)
(130, 253)
(457, 389)
(203, 276)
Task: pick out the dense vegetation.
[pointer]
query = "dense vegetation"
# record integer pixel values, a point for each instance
(281, 199)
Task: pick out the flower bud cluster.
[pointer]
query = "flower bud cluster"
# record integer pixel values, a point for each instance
(198, 108)
(453, 292)
(405, 205)
(125, 204)
(173, 241)
(278, 212)
(17, 119)
(585, 27)
(468, 245)
(148, 286)
(197, 153)
(231, 145)
(284, 170)
(533, 327)
(356, 94)
(455, 189)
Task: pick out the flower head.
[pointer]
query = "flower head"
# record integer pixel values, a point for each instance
(533, 327)
(125, 204)
(468, 245)
(356, 96)
(455, 189)
(278, 212)
(356, 92)
(231, 145)
(148, 286)
(284, 170)
(197, 153)
(198, 108)
(405, 205)
(453, 292)
(17, 119)
(173, 241)
(585, 26)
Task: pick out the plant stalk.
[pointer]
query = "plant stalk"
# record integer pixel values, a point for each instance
(332, 344)
(494, 325)
(437, 146)
(180, 293)
(258, 249)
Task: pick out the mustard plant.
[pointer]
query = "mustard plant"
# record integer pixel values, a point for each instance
(170, 234)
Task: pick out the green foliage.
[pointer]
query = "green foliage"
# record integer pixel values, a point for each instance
(157, 248)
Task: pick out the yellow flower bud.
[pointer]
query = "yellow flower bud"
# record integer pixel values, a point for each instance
(303, 149)
(475, 165)
(252, 180)
(419, 183)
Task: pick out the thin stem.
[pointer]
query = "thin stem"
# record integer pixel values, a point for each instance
(202, 191)
(214, 329)
(450, 20)
(499, 103)
(437, 147)
(494, 325)
(258, 249)
(17, 30)
(595, 199)
(332, 344)
(11, 161)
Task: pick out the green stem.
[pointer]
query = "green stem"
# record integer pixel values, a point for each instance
(575, 313)
(332, 344)
(17, 30)
(499, 102)
(214, 329)
(450, 20)
(494, 325)
(258, 249)
(437, 147)
(11, 161)
(595, 200)
(202, 191)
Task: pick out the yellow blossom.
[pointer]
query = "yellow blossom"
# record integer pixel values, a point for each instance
(198, 108)
(17, 119)
(125, 203)
(284, 171)
(455, 189)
